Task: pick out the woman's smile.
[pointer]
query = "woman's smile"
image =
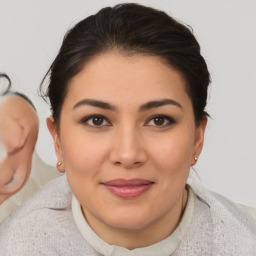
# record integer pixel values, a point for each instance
(128, 189)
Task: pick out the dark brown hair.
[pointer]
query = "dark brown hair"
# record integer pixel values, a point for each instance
(129, 29)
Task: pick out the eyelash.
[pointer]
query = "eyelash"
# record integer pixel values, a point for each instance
(86, 120)
(166, 118)
(167, 121)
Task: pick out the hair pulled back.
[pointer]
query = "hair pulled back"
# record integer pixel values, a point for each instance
(129, 29)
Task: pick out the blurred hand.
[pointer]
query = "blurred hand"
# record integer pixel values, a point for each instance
(18, 135)
(12, 133)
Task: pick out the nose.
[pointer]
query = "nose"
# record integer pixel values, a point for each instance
(128, 149)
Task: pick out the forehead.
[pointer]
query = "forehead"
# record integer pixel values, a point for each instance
(117, 77)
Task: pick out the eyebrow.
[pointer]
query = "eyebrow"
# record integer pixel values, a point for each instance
(95, 103)
(159, 103)
(147, 106)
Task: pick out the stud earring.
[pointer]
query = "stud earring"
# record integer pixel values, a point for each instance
(59, 167)
(59, 163)
(196, 159)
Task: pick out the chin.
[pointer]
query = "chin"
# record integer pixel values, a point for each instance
(128, 222)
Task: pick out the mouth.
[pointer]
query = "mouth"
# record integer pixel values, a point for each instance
(128, 189)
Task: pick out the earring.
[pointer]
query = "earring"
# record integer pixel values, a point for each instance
(59, 163)
(59, 168)
(196, 159)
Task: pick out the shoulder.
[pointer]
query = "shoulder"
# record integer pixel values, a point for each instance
(233, 226)
(38, 221)
(232, 230)
(229, 207)
(56, 195)
(44, 225)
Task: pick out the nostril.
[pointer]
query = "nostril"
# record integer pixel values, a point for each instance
(128, 164)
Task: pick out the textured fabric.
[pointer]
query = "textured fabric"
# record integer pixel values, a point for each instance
(44, 225)
(163, 248)
(40, 175)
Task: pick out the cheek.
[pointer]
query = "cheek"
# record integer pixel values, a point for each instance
(174, 152)
(84, 158)
(172, 159)
(83, 155)
(172, 164)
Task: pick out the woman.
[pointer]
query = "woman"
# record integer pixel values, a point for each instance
(128, 91)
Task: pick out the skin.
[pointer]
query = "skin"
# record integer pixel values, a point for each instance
(128, 143)
(18, 134)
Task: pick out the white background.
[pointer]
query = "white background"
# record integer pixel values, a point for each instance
(31, 32)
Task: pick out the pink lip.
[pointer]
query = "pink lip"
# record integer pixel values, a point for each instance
(128, 189)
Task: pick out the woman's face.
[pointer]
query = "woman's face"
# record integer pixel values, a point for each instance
(127, 140)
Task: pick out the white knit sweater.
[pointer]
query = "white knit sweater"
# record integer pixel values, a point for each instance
(44, 225)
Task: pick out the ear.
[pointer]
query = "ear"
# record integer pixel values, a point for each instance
(53, 131)
(199, 140)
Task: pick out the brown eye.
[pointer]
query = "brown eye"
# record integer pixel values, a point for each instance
(97, 121)
(159, 120)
